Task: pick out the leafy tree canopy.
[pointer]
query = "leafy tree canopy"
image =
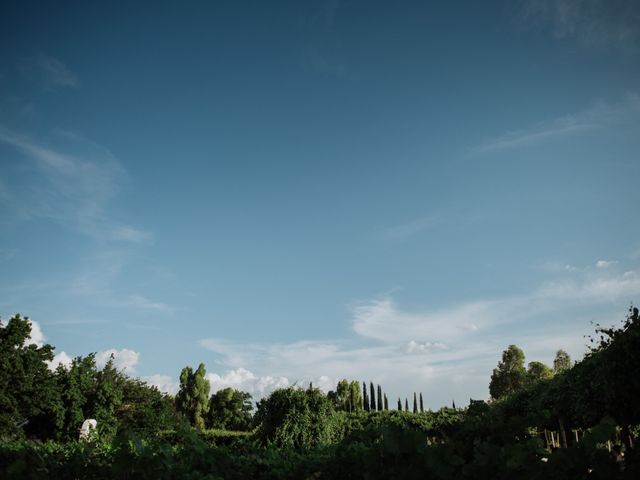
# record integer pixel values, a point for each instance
(292, 417)
(230, 409)
(193, 398)
(537, 371)
(28, 393)
(562, 362)
(510, 375)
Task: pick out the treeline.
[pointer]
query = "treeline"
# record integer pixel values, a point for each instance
(303, 433)
(36, 402)
(347, 398)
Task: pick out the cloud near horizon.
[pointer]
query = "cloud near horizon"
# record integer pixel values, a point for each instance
(124, 360)
(449, 350)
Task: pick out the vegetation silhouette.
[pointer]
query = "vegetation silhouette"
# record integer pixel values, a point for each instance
(573, 421)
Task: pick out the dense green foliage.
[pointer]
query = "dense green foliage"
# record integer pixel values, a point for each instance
(562, 362)
(346, 396)
(302, 433)
(537, 371)
(293, 417)
(230, 409)
(36, 402)
(510, 375)
(28, 392)
(193, 398)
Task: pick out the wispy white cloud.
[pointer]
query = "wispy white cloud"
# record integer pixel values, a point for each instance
(408, 229)
(381, 319)
(324, 363)
(164, 383)
(258, 386)
(71, 189)
(127, 233)
(247, 381)
(598, 289)
(62, 358)
(605, 263)
(446, 352)
(426, 347)
(55, 73)
(124, 359)
(141, 301)
(322, 53)
(599, 116)
(593, 23)
(36, 337)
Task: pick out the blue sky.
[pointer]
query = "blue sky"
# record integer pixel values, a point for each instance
(305, 191)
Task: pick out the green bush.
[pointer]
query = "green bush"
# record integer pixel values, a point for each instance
(292, 417)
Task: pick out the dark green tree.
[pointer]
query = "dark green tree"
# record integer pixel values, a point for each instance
(291, 417)
(365, 397)
(510, 375)
(406, 404)
(537, 371)
(372, 399)
(421, 403)
(230, 409)
(399, 404)
(562, 362)
(341, 397)
(415, 403)
(145, 411)
(77, 385)
(106, 398)
(29, 397)
(193, 397)
(386, 402)
(380, 404)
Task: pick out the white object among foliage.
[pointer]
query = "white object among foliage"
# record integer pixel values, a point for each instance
(87, 426)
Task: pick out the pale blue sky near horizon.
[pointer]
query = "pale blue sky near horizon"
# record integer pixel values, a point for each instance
(302, 191)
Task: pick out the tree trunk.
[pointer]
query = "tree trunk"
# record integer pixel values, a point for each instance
(563, 433)
(627, 439)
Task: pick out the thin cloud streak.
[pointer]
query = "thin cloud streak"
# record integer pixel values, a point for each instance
(380, 319)
(74, 191)
(600, 24)
(55, 73)
(599, 116)
(409, 229)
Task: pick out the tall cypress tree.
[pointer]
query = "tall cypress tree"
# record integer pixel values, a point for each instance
(380, 405)
(372, 400)
(386, 402)
(406, 404)
(365, 400)
(421, 404)
(453, 403)
(399, 404)
(415, 403)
